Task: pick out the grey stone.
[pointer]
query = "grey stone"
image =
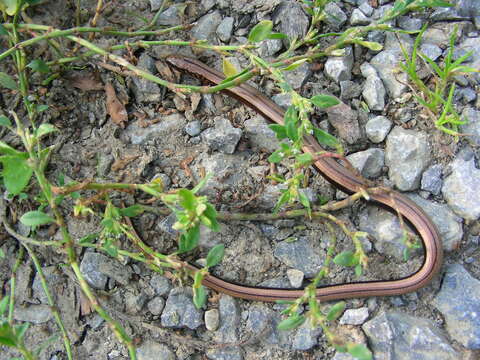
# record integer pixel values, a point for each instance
(354, 316)
(374, 93)
(283, 100)
(295, 277)
(296, 78)
(293, 29)
(462, 314)
(134, 302)
(473, 45)
(367, 70)
(299, 255)
(36, 314)
(349, 90)
(156, 305)
(366, 8)
(152, 350)
(345, 120)
(224, 30)
(156, 4)
(448, 224)
(206, 26)
(343, 356)
(269, 196)
(160, 284)
(260, 135)
(386, 63)
(409, 23)
(460, 189)
(223, 137)
(193, 128)
(305, 337)
(334, 15)
(229, 320)
(180, 312)
(166, 182)
(472, 125)
(386, 230)
(369, 162)
(359, 18)
(90, 269)
(395, 336)
(212, 319)
(311, 194)
(431, 50)
(377, 128)
(171, 16)
(339, 68)
(432, 179)
(225, 353)
(169, 126)
(54, 280)
(270, 47)
(467, 94)
(407, 154)
(276, 283)
(145, 90)
(166, 224)
(208, 4)
(105, 161)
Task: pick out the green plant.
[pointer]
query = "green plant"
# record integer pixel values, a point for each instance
(437, 99)
(25, 170)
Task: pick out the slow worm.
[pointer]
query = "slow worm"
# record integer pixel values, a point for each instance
(343, 179)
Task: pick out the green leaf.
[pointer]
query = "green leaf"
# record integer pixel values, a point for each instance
(280, 131)
(324, 101)
(277, 36)
(215, 255)
(261, 31)
(372, 45)
(3, 31)
(45, 129)
(282, 200)
(4, 304)
(325, 138)
(291, 115)
(199, 297)
(346, 258)
(187, 199)
(16, 173)
(294, 65)
(9, 6)
(7, 336)
(21, 329)
(2, 256)
(4, 121)
(8, 82)
(291, 322)
(359, 351)
(304, 159)
(358, 270)
(201, 183)
(42, 108)
(132, 211)
(8, 150)
(229, 69)
(36, 218)
(276, 157)
(189, 240)
(39, 66)
(335, 311)
(211, 214)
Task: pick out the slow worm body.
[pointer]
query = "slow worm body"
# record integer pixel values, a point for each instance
(347, 181)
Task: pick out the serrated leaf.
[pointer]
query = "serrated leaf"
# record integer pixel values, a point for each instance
(189, 240)
(45, 129)
(324, 101)
(229, 69)
(279, 130)
(16, 173)
(291, 322)
(215, 255)
(36, 218)
(199, 297)
(7, 81)
(39, 66)
(132, 211)
(325, 138)
(359, 351)
(335, 311)
(345, 258)
(261, 31)
(4, 121)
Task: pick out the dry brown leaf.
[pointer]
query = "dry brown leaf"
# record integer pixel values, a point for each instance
(85, 305)
(115, 108)
(195, 99)
(120, 164)
(86, 81)
(184, 165)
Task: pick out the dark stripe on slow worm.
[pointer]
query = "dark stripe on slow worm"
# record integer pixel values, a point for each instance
(347, 181)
